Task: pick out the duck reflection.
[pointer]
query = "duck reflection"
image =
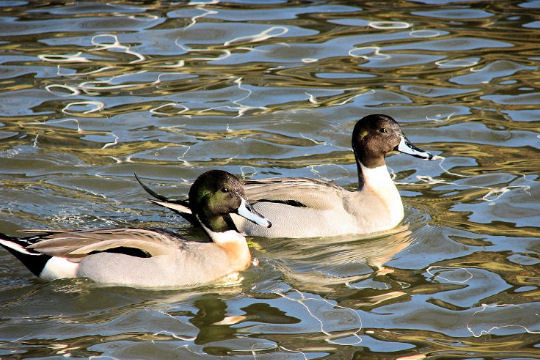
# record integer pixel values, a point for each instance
(212, 310)
(320, 265)
(215, 325)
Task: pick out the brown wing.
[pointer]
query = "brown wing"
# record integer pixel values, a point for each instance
(316, 194)
(296, 191)
(77, 244)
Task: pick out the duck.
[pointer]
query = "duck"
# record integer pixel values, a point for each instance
(147, 258)
(302, 207)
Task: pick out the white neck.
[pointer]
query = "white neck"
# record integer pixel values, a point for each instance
(377, 177)
(378, 181)
(224, 236)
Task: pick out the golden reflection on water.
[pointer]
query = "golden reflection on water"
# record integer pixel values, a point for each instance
(92, 92)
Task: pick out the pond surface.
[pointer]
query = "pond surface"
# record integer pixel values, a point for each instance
(95, 91)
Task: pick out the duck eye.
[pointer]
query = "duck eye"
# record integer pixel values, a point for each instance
(224, 190)
(383, 130)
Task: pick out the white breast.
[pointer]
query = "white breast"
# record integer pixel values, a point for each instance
(377, 181)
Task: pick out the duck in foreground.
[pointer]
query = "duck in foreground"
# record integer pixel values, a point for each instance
(150, 258)
(302, 207)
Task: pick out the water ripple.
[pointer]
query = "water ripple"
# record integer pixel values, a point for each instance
(93, 92)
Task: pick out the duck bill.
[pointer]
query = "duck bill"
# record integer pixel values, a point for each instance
(246, 210)
(406, 147)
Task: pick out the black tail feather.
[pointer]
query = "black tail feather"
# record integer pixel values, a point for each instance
(34, 261)
(163, 198)
(156, 195)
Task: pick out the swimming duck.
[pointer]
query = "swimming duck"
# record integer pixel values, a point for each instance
(150, 258)
(302, 207)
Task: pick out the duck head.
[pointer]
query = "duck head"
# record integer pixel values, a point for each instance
(376, 135)
(215, 195)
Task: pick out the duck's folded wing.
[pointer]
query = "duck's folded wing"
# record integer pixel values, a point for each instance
(75, 245)
(295, 191)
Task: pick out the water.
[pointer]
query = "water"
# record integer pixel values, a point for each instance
(95, 91)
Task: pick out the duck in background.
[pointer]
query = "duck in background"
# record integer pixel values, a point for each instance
(303, 207)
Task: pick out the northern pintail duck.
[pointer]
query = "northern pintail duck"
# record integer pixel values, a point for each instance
(302, 207)
(150, 258)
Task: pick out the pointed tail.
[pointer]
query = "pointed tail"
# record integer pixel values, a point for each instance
(181, 207)
(34, 261)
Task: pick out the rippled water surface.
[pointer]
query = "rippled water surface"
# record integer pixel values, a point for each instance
(94, 91)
